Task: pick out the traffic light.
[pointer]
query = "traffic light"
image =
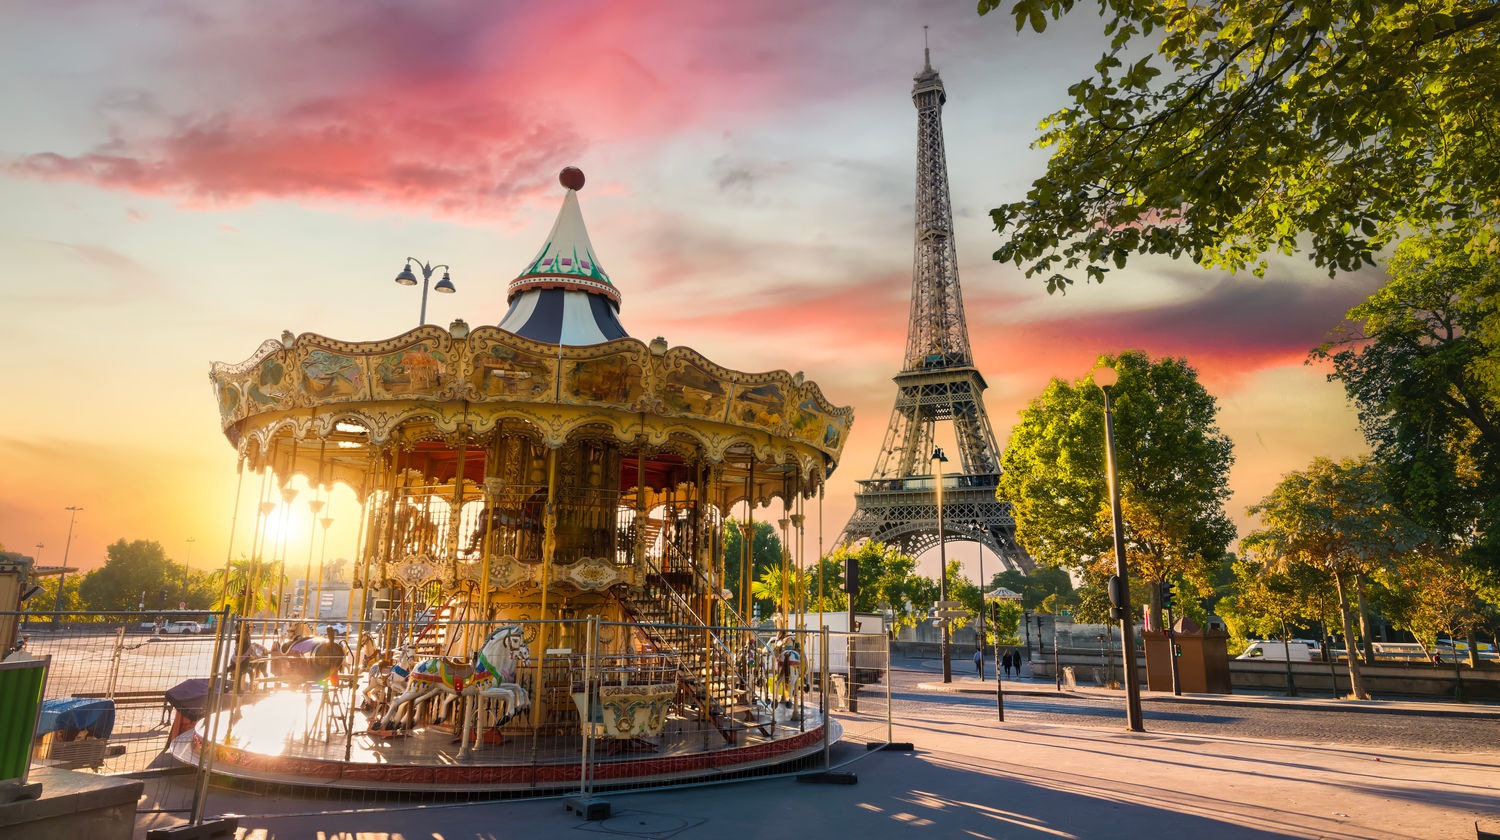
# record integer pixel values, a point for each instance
(1166, 595)
(1116, 598)
(851, 576)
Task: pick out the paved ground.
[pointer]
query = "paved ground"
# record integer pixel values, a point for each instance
(1317, 719)
(972, 777)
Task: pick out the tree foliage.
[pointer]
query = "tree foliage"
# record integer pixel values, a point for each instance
(1333, 518)
(249, 586)
(888, 579)
(1043, 583)
(767, 555)
(1220, 131)
(134, 573)
(1173, 465)
(1416, 367)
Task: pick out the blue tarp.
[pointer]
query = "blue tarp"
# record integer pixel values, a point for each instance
(66, 714)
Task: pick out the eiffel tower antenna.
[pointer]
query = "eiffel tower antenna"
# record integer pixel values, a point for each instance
(937, 383)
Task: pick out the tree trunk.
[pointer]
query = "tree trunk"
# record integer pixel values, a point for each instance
(1367, 638)
(1286, 653)
(1356, 681)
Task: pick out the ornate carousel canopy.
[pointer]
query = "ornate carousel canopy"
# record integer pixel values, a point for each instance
(554, 370)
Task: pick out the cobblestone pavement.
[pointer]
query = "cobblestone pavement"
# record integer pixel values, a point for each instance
(1316, 724)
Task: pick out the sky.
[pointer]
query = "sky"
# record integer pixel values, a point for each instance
(183, 180)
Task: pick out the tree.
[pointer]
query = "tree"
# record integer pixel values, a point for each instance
(134, 573)
(239, 595)
(1415, 368)
(1271, 601)
(1256, 126)
(1443, 604)
(1333, 517)
(1037, 587)
(888, 579)
(1173, 465)
(767, 555)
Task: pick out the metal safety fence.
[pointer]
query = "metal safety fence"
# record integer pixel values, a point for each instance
(303, 718)
(120, 687)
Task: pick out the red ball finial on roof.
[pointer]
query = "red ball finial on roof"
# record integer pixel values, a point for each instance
(572, 178)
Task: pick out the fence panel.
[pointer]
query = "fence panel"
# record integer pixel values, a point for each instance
(860, 687)
(121, 687)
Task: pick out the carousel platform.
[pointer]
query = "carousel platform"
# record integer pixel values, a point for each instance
(272, 743)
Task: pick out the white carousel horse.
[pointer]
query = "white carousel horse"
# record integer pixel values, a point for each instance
(489, 673)
(385, 680)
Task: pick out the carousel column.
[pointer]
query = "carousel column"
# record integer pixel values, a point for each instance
(288, 495)
(369, 524)
(455, 517)
(234, 519)
(640, 508)
(747, 548)
(549, 543)
(314, 506)
(700, 555)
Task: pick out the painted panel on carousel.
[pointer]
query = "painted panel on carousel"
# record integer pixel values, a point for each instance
(416, 371)
(268, 385)
(834, 433)
(612, 380)
(333, 377)
(508, 373)
(694, 391)
(229, 401)
(760, 405)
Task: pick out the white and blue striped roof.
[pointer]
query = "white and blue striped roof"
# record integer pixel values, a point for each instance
(563, 296)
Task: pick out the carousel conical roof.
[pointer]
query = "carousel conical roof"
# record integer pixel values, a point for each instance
(564, 296)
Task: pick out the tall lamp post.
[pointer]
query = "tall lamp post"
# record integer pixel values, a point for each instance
(186, 572)
(1105, 378)
(938, 459)
(67, 546)
(406, 278)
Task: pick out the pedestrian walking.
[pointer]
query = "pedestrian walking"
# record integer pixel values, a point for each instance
(979, 661)
(1006, 661)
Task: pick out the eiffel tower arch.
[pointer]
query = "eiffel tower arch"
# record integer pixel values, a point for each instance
(938, 383)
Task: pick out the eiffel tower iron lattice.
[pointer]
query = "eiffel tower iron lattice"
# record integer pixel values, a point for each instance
(937, 383)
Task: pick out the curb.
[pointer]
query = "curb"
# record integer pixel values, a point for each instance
(1396, 707)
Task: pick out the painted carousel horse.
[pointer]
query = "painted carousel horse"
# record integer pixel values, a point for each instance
(249, 661)
(387, 678)
(488, 674)
(308, 659)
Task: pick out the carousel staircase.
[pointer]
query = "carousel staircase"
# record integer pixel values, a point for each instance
(707, 672)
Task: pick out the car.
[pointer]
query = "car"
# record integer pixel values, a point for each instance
(338, 629)
(1277, 651)
(182, 627)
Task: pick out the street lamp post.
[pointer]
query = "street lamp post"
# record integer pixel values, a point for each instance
(1105, 378)
(938, 459)
(186, 572)
(67, 546)
(406, 278)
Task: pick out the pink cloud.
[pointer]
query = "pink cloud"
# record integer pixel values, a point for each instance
(464, 112)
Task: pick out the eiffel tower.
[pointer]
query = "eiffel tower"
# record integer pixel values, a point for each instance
(937, 382)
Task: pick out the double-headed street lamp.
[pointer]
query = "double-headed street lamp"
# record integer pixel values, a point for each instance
(406, 278)
(938, 459)
(1105, 378)
(67, 546)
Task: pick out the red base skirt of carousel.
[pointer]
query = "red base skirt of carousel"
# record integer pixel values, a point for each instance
(265, 748)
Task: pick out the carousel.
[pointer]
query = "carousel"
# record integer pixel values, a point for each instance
(540, 552)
